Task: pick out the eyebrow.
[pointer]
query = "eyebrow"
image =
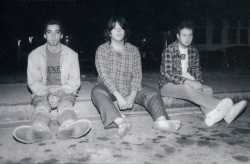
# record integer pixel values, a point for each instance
(56, 30)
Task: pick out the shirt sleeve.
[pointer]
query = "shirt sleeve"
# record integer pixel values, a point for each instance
(169, 73)
(137, 72)
(102, 69)
(196, 67)
(34, 76)
(74, 80)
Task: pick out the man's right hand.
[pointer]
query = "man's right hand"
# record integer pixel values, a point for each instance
(195, 84)
(53, 100)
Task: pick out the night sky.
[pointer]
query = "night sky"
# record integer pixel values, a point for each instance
(85, 20)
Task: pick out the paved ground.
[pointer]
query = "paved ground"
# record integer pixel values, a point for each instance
(193, 143)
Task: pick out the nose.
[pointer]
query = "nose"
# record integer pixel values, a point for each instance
(53, 34)
(118, 29)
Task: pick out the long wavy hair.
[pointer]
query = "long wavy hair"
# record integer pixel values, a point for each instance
(111, 24)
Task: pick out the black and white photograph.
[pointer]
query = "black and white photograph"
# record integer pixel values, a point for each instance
(124, 81)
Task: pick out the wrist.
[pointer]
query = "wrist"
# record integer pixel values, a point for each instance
(117, 95)
(133, 93)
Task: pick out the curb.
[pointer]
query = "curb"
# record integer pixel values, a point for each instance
(22, 111)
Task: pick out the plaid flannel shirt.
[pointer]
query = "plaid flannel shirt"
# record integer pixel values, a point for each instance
(119, 71)
(171, 70)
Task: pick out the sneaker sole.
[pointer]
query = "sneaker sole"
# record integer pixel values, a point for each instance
(33, 135)
(73, 132)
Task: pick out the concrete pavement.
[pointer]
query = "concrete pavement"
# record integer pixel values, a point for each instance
(194, 143)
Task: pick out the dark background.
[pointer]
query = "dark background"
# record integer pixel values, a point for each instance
(85, 20)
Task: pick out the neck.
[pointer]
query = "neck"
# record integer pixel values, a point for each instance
(182, 46)
(117, 45)
(54, 49)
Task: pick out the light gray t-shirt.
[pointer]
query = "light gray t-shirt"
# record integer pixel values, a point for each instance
(53, 68)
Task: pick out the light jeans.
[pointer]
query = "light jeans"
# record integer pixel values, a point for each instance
(41, 114)
(149, 97)
(203, 97)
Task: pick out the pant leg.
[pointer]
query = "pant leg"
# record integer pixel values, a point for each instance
(150, 98)
(41, 114)
(209, 91)
(104, 102)
(65, 109)
(186, 92)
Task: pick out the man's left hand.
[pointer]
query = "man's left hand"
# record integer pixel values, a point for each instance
(131, 99)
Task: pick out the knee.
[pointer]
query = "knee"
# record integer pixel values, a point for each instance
(154, 94)
(208, 90)
(42, 110)
(187, 88)
(97, 92)
(94, 93)
(163, 91)
(66, 104)
(42, 104)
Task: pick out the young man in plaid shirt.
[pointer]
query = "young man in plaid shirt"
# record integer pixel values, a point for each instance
(120, 76)
(180, 77)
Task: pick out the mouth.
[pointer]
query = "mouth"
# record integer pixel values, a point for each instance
(53, 42)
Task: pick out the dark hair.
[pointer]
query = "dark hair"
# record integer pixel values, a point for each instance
(111, 24)
(185, 24)
(53, 22)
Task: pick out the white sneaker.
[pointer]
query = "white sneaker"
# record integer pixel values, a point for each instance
(219, 112)
(235, 111)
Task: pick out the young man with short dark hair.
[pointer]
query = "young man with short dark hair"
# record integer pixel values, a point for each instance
(180, 77)
(54, 79)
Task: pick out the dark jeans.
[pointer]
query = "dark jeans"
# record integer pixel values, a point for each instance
(149, 97)
(41, 114)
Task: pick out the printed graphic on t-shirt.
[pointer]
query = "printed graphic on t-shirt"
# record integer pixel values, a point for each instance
(53, 69)
(184, 63)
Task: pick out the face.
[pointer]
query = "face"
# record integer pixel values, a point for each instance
(117, 33)
(185, 37)
(53, 35)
